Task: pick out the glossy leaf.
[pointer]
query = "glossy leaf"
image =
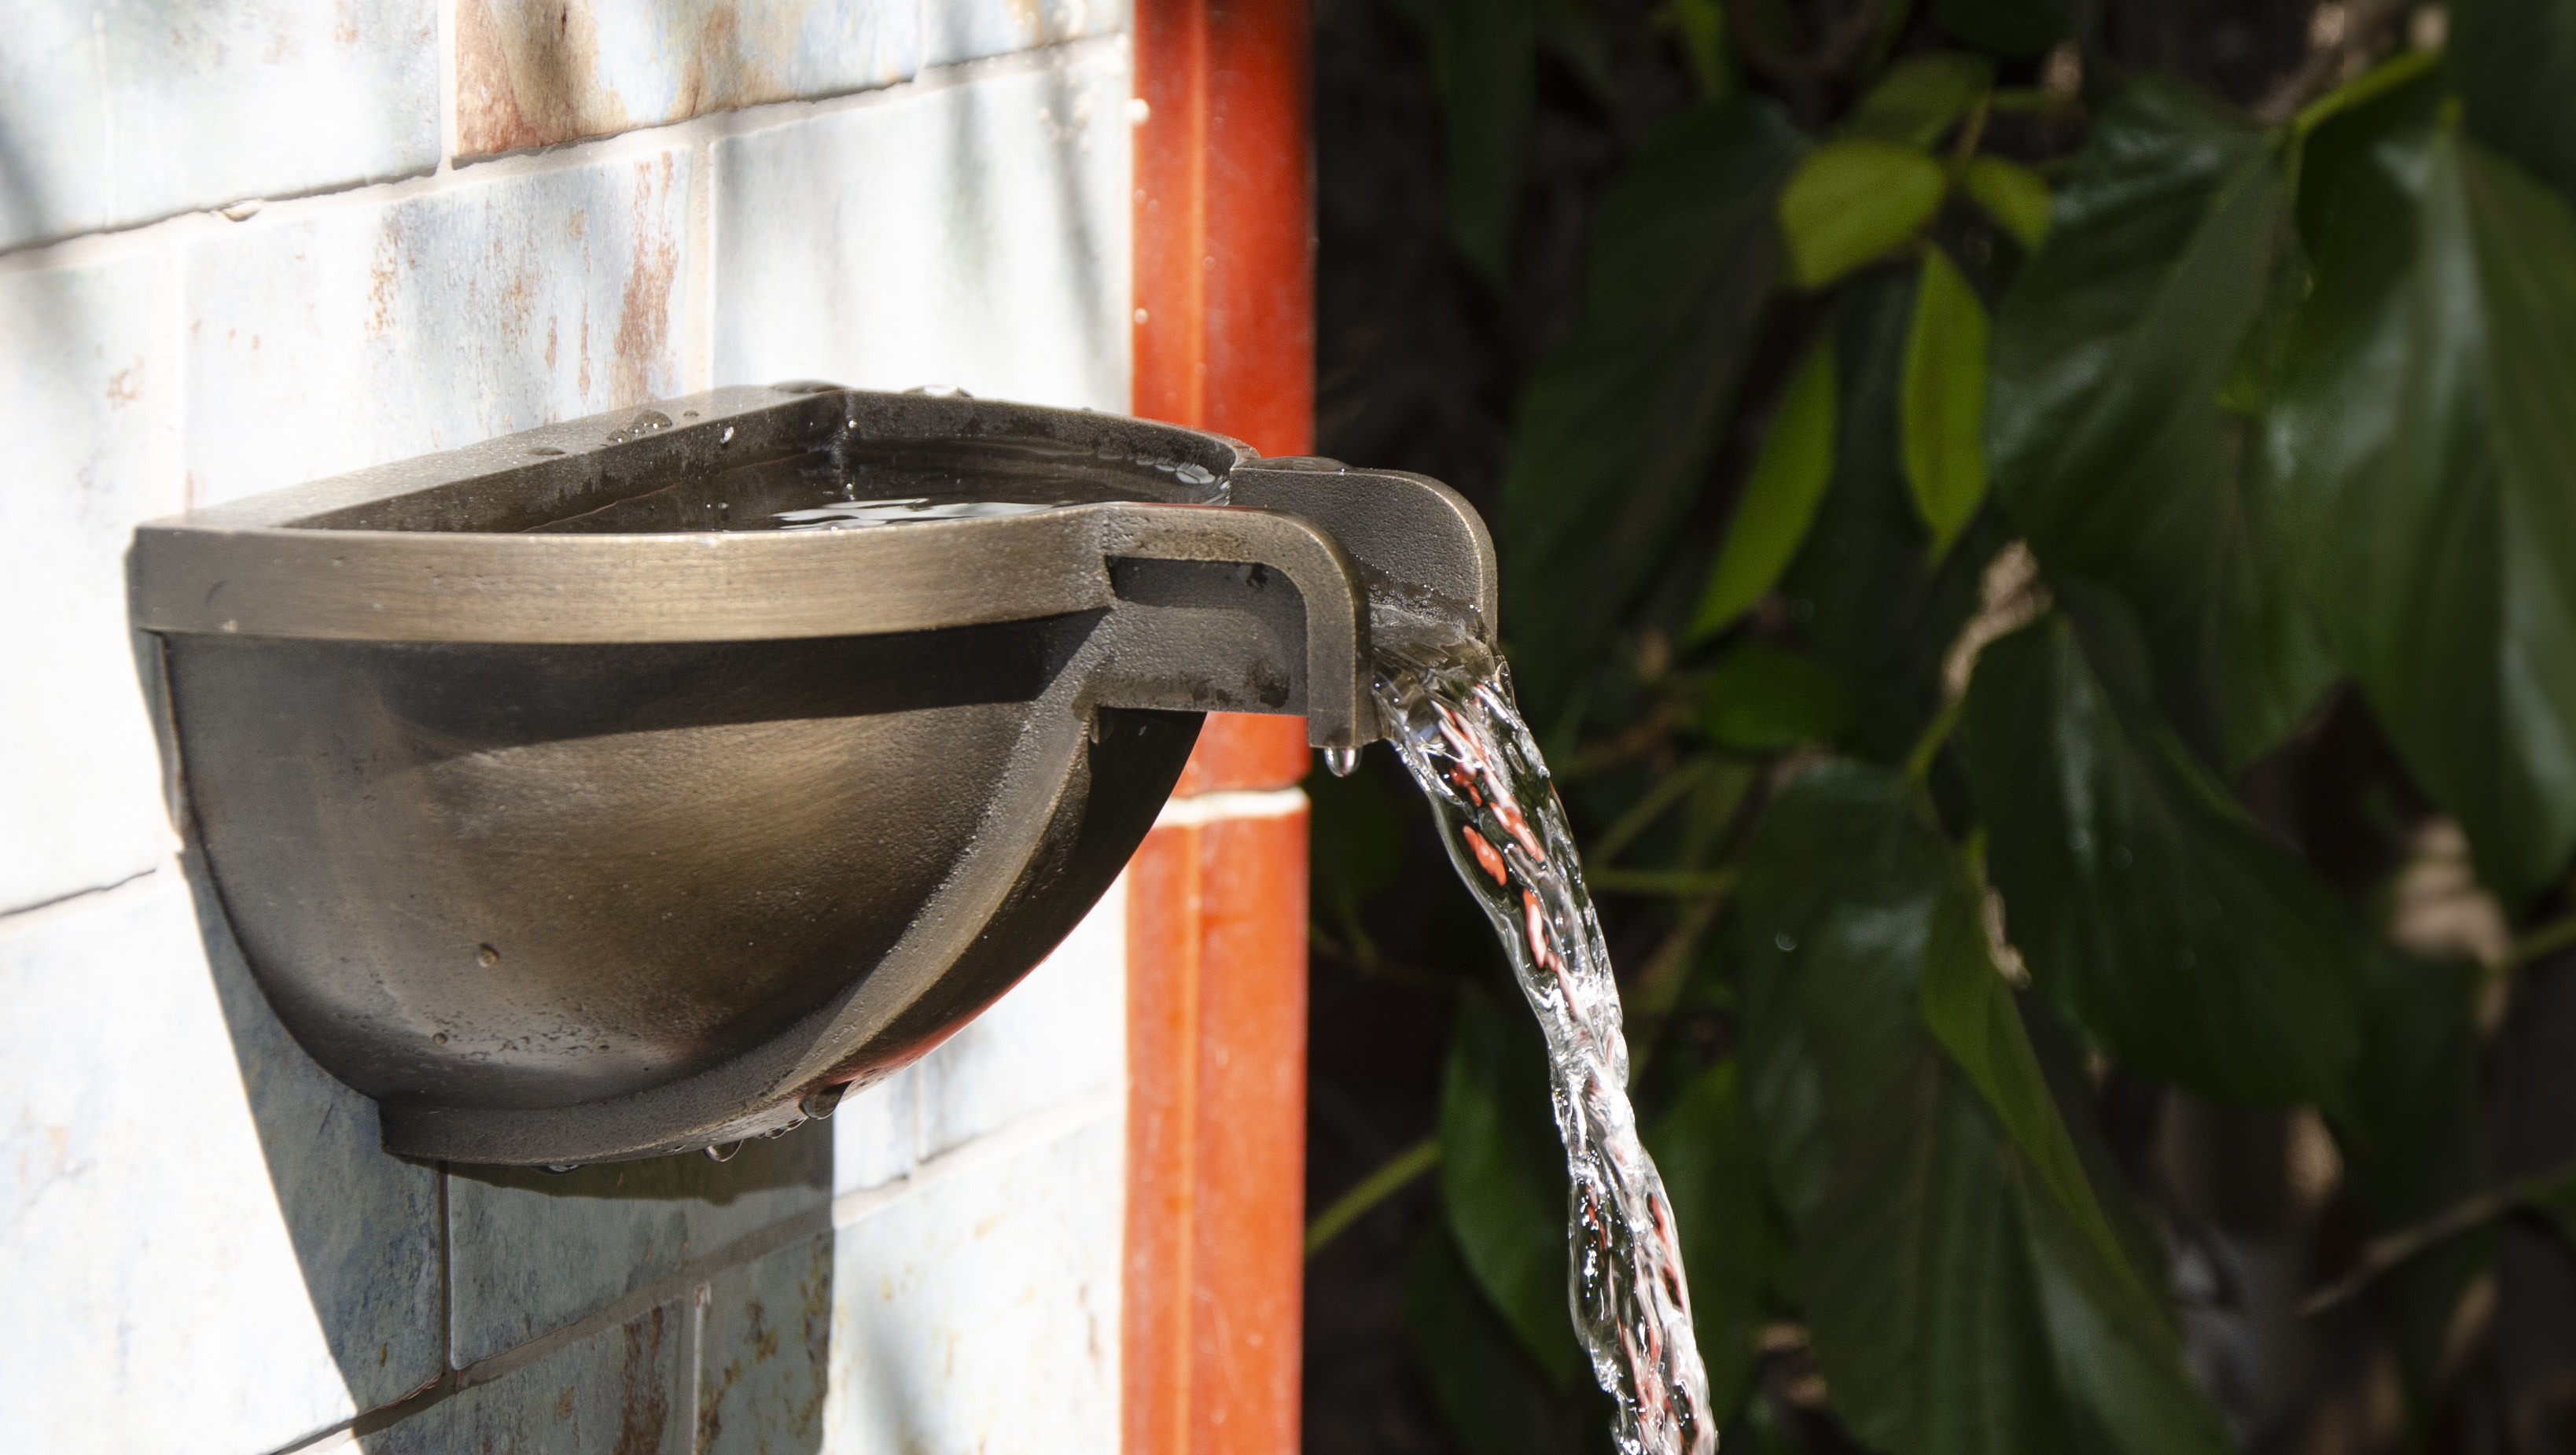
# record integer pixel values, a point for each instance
(1953, 1303)
(1969, 1009)
(1760, 697)
(1731, 1242)
(2164, 920)
(2424, 443)
(1943, 414)
(1854, 200)
(1502, 1179)
(2108, 443)
(2008, 27)
(1921, 97)
(1614, 431)
(1780, 496)
(2515, 64)
(1866, 600)
(1489, 1395)
(2013, 195)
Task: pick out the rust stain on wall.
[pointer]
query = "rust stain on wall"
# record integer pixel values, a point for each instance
(528, 75)
(643, 319)
(644, 1408)
(530, 72)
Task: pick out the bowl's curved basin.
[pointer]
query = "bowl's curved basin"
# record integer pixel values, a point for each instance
(572, 823)
(579, 902)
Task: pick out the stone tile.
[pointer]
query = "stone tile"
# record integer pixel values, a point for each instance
(973, 235)
(876, 1133)
(353, 336)
(764, 1353)
(535, 72)
(981, 1312)
(622, 1389)
(966, 30)
(200, 1230)
(1058, 1033)
(117, 114)
(82, 380)
(531, 1251)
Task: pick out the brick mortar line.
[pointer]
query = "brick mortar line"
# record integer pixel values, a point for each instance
(1039, 1129)
(449, 174)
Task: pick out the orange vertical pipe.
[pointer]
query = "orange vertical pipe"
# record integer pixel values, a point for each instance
(1224, 340)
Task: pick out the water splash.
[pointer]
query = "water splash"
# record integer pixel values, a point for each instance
(1462, 738)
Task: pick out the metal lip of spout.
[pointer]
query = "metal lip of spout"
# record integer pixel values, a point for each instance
(621, 786)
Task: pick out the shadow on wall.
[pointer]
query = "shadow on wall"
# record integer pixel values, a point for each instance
(610, 1307)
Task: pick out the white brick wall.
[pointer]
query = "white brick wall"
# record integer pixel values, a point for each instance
(473, 226)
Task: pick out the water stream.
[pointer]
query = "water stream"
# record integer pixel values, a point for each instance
(1463, 740)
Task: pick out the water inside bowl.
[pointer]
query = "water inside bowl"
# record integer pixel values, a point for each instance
(861, 484)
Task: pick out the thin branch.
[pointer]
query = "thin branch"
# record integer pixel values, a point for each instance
(2364, 22)
(2385, 1253)
(1659, 985)
(1671, 789)
(1390, 1178)
(1674, 883)
(2546, 940)
(1842, 43)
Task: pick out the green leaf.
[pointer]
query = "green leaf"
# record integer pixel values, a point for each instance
(2514, 63)
(1357, 840)
(1502, 1178)
(1955, 1305)
(1615, 430)
(1731, 1241)
(1702, 28)
(1921, 97)
(1868, 601)
(2108, 443)
(1779, 499)
(1854, 200)
(2008, 27)
(1970, 1010)
(2162, 918)
(2424, 444)
(2014, 196)
(1484, 60)
(1944, 412)
(1760, 697)
(1489, 1395)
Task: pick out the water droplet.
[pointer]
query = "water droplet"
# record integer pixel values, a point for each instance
(722, 1151)
(440, 1038)
(560, 1168)
(1786, 941)
(543, 450)
(1341, 761)
(822, 1101)
(725, 438)
(486, 956)
(1194, 474)
(774, 1133)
